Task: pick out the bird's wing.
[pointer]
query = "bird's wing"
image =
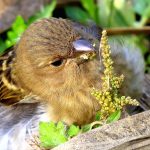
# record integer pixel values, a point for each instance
(9, 91)
(19, 125)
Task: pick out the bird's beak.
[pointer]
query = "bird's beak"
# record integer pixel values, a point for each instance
(83, 46)
(83, 49)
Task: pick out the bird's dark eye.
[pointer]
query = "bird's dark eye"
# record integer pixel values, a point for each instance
(57, 62)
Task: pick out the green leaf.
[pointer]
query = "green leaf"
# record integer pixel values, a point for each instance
(90, 7)
(51, 135)
(48, 10)
(104, 11)
(140, 6)
(86, 128)
(45, 12)
(148, 60)
(2, 46)
(145, 16)
(114, 13)
(77, 14)
(97, 116)
(125, 12)
(18, 27)
(114, 116)
(73, 131)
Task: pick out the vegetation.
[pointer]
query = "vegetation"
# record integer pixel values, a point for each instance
(111, 14)
(19, 26)
(108, 14)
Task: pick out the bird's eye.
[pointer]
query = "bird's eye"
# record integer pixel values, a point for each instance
(57, 63)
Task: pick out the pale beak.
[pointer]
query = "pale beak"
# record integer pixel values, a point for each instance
(83, 46)
(82, 50)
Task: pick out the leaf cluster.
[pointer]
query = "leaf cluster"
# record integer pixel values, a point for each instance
(20, 25)
(116, 13)
(52, 134)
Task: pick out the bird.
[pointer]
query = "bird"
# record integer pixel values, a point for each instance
(45, 77)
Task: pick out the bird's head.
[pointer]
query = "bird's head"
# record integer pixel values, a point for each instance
(49, 65)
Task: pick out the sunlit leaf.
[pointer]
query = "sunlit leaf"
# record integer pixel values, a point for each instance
(19, 25)
(73, 131)
(145, 16)
(140, 6)
(114, 116)
(114, 13)
(51, 135)
(13, 35)
(104, 11)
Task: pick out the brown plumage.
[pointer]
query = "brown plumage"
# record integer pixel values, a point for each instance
(64, 88)
(45, 68)
(10, 93)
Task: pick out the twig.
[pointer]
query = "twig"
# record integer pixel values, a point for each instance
(128, 30)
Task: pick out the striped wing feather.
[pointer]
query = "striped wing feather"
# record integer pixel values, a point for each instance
(9, 92)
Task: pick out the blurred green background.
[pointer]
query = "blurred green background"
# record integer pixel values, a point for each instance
(130, 17)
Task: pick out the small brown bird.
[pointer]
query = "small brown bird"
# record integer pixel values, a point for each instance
(44, 76)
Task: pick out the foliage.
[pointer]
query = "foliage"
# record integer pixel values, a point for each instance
(108, 13)
(81, 16)
(52, 134)
(115, 13)
(73, 130)
(142, 8)
(2, 46)
(114, 116)
(19, 26)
